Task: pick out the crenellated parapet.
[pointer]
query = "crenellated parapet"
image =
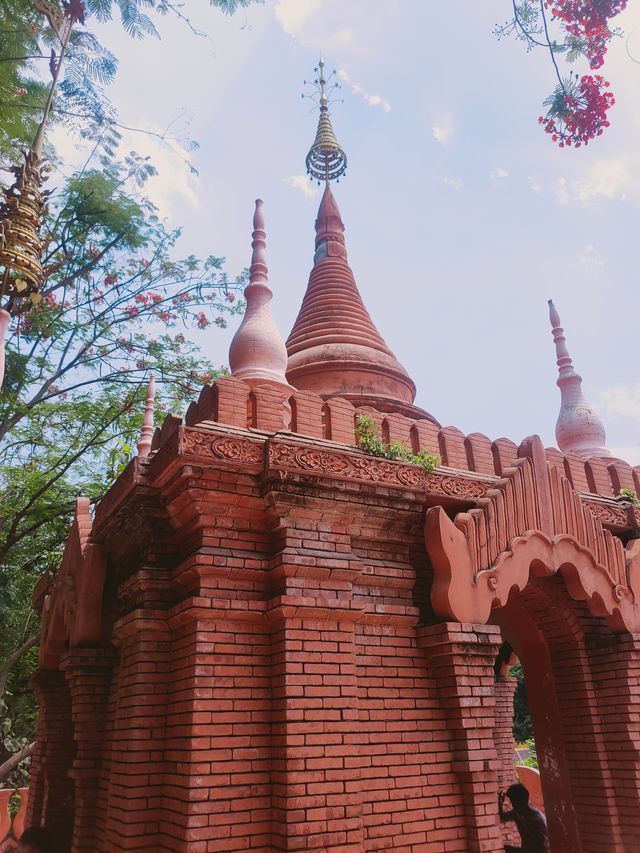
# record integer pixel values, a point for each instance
(231, 402)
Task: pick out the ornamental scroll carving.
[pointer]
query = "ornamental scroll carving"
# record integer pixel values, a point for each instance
(196, 442)
(71, 613)
(531, 522)
(615, 516)
(369, 469)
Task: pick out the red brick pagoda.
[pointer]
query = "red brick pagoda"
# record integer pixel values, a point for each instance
(268, 640)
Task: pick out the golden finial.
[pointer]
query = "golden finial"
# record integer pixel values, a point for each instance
(326, 161)
(23, 207)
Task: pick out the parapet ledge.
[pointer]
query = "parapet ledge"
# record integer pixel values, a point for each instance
(264, 410)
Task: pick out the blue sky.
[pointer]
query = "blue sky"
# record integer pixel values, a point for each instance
(462, 217)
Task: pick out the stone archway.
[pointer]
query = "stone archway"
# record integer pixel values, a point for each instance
(534, 560)
(550, 633)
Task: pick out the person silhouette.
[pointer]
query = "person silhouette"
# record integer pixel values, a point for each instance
(531, 823)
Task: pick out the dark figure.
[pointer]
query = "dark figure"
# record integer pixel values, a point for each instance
(36, 839)
(531, 823)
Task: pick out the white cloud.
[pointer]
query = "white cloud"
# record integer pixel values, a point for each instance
(443, 132)
(302, 183)
(614, 179)
(454, 183)
(292, 14)
(535, 184)
(622, 401)
(590, 261)
(605, 179)
(344, 36)
(498, 173)
(561, 191)
(357, 89)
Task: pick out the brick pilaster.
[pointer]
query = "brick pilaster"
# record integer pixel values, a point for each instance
(137, 737)
(505, 687)
(216, 796)
(51, 801)
(462, 660)
(316, 785)
(88, 673)
(615, 664)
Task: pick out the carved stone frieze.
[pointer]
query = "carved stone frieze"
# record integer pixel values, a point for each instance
(368, 469)
(614, 516)
(201, 443)
(458, 487)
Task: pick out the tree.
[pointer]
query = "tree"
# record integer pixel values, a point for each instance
(578, 106)
(522, 727)
(116, 305)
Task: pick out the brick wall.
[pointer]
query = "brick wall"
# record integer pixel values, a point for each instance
(273, 677)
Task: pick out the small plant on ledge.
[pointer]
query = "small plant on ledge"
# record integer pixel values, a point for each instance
(370, 441)
(629, 495)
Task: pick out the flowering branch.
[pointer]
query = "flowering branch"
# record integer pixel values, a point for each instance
(578, 106)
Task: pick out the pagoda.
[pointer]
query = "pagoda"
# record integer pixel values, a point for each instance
(268, 638)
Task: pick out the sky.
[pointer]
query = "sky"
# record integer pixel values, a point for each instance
(462, 217)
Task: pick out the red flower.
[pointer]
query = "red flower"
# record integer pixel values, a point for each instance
(579, 113)
(588, 22)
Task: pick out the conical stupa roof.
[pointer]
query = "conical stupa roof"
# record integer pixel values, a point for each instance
(334, 347)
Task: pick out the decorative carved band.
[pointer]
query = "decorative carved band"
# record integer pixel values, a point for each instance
(615, 516)
(367, 469)
(201, 443)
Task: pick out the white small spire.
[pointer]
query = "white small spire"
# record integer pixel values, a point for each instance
(146, 433)
(258, 354)
(578, 428)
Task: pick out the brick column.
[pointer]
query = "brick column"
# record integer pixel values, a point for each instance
(615, 664)
(136, 767)
(462, 658)
(505, 688)
(217, 735)
(316, 784)
(88, 673)
(51, 801)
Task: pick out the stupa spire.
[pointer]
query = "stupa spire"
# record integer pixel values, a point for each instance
(334, 348)
(578, 428)
(258, 354)
(146, 433)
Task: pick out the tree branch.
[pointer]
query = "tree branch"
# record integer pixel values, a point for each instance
(13, 660)
(11, 763)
